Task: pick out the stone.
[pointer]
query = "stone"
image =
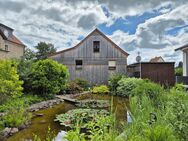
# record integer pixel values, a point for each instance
(13, 131)
(39, 115)
(6, 132)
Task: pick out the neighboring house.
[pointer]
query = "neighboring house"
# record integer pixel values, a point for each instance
(157, 59)
(184, 79)
(95, 58)
(10, 45)
(159, 72)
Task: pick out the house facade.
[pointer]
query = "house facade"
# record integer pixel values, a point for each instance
(95, 58)
(183, 79)
(10, 45)
(184, 49)
(157, 59)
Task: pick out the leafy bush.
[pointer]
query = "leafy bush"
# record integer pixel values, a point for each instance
(179, 71)
(178, 87)
(24, 100)
(113, 82)
(102, 89)
(82, 83)
(127, 85)
(72, 88)
(15, 116)
(10, 85)
(48, 77)
(178, 116)
(24, 71)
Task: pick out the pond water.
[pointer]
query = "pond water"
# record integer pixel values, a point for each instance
(40, 124)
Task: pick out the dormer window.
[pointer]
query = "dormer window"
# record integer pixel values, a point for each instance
(96, 46)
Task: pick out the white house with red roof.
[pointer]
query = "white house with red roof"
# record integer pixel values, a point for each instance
(10, 45)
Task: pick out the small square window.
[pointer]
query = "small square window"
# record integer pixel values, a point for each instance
(111, 65)
(6, 48)
(96, 46)
(79, 64)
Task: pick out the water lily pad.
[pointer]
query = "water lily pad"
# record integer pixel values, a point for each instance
(79, 117)
(93, 103)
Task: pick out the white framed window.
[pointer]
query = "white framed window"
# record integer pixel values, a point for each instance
(112, 65)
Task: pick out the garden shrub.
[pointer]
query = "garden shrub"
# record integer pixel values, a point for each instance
(152, 90)
(113, 82)
(179, 71)
(82, 83)
(48, 77)
(23, 100)
(73, 88)
(24, 70)
(177, 104)
(16, 116)
(127, 85)
(10, 85)
(102, 89)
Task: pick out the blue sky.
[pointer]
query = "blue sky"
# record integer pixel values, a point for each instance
(154, 28)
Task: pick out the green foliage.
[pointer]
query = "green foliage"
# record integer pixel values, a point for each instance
(15, 116)
(72, 88)
(93, 103)
(79, 116)
(50, 136)
(113, 82)
(24, 100)
(47, 77)
(24, 71)
(102, 89)
(10, 85)
(127, 85)
(179, 71)
(178, 87)
(29, 54)
(177, 104)
(44, 49)
(82, 83)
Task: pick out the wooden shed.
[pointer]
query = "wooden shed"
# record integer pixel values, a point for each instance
(159, 72)
(95, 58)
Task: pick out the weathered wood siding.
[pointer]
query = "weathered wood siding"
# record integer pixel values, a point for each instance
(95, 65)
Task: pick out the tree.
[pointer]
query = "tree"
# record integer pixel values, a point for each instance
(48, 77)
(10, 85)
(43, 49)
(29, 54)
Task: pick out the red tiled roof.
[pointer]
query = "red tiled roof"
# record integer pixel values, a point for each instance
(156, 59)
(14, 39)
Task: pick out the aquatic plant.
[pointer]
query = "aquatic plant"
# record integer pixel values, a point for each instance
(102, 89)
(79, 116)
(93, 103)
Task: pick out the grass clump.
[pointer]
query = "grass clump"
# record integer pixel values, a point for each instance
(102, 89)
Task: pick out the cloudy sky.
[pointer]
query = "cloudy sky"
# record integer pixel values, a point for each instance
(152, 27)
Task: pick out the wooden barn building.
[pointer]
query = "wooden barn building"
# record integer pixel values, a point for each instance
(95, 58)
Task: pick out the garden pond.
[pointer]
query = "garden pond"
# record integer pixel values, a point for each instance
(45, 119)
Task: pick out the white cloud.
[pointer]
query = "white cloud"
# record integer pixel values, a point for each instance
(61, 22)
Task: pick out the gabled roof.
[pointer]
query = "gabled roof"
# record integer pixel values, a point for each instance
(11, 38)
(102, 34)
(181, 48)
(156, 59)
